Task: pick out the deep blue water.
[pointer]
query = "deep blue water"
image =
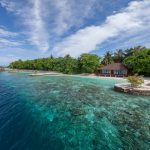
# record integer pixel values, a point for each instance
(71, 113)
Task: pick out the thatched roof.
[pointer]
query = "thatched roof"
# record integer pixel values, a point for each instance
(114, 66)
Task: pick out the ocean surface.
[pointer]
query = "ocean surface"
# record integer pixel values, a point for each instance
(70, 113)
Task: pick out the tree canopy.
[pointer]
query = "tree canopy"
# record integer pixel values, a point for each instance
(119, 56)
(137, 60)
(86, 63)
(108, 58)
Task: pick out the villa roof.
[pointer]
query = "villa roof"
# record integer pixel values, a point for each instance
(114, 66)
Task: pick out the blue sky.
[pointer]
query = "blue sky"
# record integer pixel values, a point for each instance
(38, 28)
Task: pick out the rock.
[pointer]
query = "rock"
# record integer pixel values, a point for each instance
(77, 112)
(126, 88)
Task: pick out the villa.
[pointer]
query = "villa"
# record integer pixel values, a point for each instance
(113, 70)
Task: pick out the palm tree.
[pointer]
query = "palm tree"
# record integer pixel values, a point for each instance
(51, 56)
(133, 50)
(108, 59)
(119, 56)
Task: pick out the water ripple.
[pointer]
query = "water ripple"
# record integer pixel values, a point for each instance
(57, 113)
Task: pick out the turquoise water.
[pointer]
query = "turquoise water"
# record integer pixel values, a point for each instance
(70, 113)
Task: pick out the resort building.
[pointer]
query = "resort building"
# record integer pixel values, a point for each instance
(113, 70)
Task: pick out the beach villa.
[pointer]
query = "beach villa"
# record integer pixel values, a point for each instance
(113, 70)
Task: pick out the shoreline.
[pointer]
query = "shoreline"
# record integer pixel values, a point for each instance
(127, 88)
(98, 77)
(54, 73)
(121, 87)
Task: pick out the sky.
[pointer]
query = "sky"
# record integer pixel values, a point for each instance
(39, 28)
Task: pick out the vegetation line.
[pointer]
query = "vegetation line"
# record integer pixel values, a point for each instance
(137, 60)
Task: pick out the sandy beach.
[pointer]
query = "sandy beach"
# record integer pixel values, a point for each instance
(54, 73)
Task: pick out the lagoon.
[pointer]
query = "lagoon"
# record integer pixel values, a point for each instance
(71, 113)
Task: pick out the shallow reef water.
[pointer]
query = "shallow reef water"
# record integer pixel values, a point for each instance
(70, 113)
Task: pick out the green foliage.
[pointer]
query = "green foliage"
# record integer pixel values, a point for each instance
(119, 56)
(88, 63)
(135, 80)
(130, 51)
(139, 61)
(68, 65)
(2, 68)
(108, 58)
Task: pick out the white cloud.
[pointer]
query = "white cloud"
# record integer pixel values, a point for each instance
(6, 33)
(71, 13)
(47, 20)
(30, 16)
(7, 38)
(39, 35)
(9, 43)
(131, 20)
(5, 60)
(14, 53)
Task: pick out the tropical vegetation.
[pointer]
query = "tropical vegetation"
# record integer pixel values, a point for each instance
(86, 63)
(137, 60)
(2, 68)
(135, 80)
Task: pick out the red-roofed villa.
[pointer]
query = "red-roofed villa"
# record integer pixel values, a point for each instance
(113, 70)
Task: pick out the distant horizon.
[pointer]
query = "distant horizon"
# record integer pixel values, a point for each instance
(38, 28)
(100, 55)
